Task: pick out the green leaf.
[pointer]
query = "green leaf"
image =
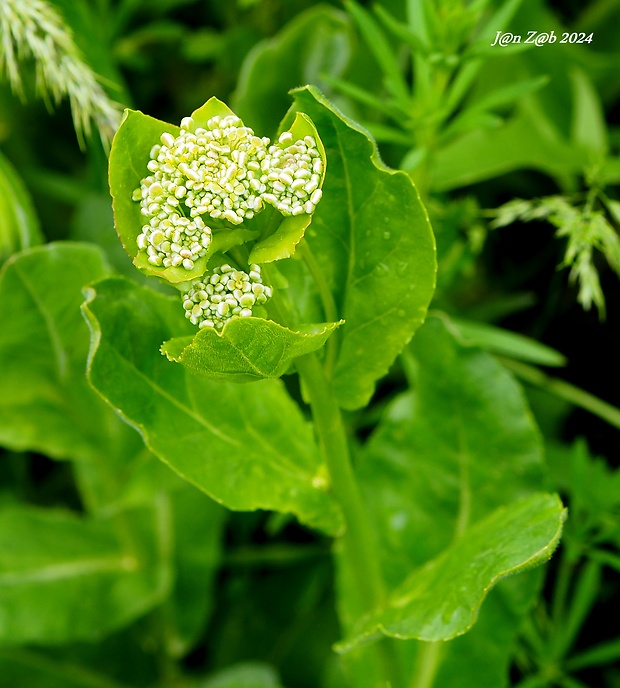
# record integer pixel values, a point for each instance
(19, 225)
(441, 599)
(66, 578)
(495, 99)
(277, 235)
(248, 675)
(371, 236)
(527, 140)
(197, 536)
(229, 440)
(380, 47)
(506, 343)
(280, 236)
(486, 651)
(46, 404)
(455, 452)
(315, 44)
(588, 129)
(247, 349)
(129, 156)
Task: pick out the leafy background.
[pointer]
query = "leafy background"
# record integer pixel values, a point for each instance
(165, 587)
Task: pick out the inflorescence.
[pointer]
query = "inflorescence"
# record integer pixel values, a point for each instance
(227, 293)
(224, 172)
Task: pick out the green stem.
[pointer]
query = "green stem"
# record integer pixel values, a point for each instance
(427, 665)
(358, 542)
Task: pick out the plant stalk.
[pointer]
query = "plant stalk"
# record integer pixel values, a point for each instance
(427, 664)
(358, 542)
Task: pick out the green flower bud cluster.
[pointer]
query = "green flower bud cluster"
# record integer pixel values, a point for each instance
(224, 172)
(226, 294)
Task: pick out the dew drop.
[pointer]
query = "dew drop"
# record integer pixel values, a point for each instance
(401, 268)
(386, 235)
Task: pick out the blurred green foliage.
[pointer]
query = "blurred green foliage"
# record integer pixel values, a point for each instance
(168, 589)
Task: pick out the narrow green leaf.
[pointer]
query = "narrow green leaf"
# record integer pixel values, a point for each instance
(499, 21)
(605, 653)
(498, 98)
(226, 439)
(365, 97)
(441, 599)
(19, 225)
(380, 47)
(247, 349)
(401, 30)
(527, 140)
(371, 236)
(67, 578)
(564, 390)
(588, 128)
(506, 343)
(585, 594)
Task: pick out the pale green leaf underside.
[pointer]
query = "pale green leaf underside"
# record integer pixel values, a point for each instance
(246, 350)
(227, 439)
(441, 599)
(65, 578)
(371, 236)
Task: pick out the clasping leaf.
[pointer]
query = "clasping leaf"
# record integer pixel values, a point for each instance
(247, 349)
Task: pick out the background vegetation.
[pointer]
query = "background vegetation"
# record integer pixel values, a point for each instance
(515, 152)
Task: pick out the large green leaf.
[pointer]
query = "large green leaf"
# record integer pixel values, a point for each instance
(371, 237)
(46, 404)
(315, 43)
(65, 578)
(196, 542)
(248, 447)
(441, 599)
(246, 350)
(445, 471)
